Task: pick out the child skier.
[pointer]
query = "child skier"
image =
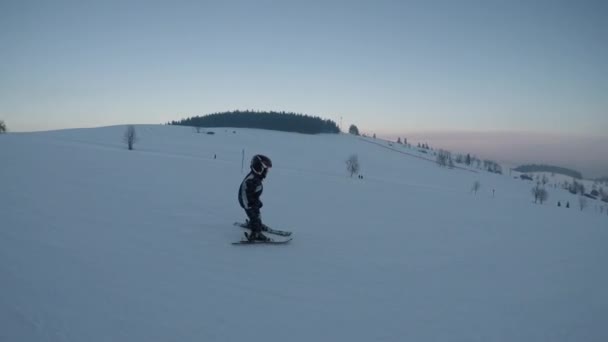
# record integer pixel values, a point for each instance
(249, 195)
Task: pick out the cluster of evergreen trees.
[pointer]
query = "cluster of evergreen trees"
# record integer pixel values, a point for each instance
(549, 168)
(278, 121)
(492, 166)
(575, 187)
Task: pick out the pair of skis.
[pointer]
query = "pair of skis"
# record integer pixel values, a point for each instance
(265, 229)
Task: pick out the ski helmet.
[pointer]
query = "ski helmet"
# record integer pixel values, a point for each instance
(260, 164)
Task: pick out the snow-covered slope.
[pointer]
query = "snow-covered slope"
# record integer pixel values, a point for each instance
(98, 243)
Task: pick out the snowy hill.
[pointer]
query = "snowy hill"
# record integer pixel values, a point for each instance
(98, 243)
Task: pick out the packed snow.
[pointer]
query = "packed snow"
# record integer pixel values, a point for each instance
(98, 243)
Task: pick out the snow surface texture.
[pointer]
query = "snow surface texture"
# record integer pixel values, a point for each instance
(98, 243)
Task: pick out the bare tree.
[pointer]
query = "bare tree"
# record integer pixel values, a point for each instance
(576, 188)
(543, 195)
(130, 136)
(476, 187)
(492, 166)
(582, 202)
(2, 127)
(540, 194)
(444, 158)
(352, 164)
(545, 180)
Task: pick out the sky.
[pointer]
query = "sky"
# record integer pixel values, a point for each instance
(527, 68)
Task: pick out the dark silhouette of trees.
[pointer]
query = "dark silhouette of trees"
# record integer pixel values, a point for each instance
(353, 130)
(130, 136)
(404, 142)
(492, 166)
(444, 158)
(278, 121)
(2, 127)
(540, 194)
(550, 169)
(544, 180)
(576, 188)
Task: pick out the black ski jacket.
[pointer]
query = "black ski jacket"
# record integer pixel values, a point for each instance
(250, 191)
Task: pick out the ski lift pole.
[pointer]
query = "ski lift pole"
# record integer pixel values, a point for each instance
(242, 161)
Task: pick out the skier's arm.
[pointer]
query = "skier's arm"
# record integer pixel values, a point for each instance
(252, 197)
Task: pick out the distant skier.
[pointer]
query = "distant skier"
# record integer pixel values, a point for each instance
(249, 195)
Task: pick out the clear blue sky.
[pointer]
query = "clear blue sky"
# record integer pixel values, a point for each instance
(390, 67)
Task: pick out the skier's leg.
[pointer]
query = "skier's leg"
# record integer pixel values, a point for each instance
(255, 224)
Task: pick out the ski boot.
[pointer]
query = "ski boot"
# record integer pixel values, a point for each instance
(257, 236)
(265, 228)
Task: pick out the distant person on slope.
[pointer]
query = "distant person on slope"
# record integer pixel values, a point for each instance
(249, 195)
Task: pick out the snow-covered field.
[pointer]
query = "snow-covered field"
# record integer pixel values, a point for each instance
(98, 243)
